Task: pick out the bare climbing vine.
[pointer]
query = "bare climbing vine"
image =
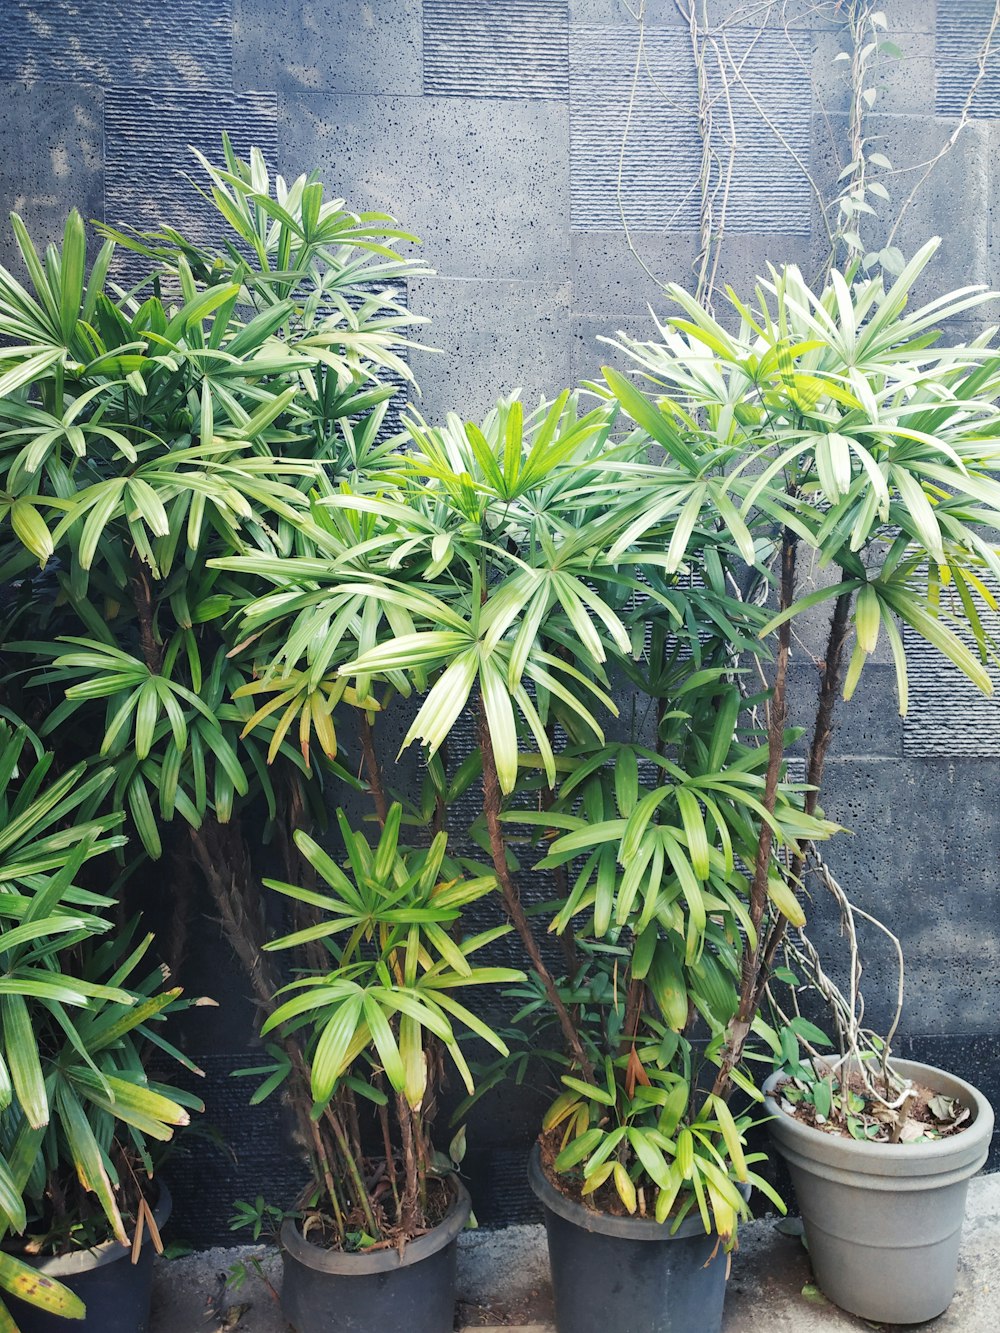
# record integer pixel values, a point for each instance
(859, 202)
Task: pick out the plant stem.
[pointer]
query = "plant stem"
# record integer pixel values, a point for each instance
(408, 1211)
(353, 1170)
(512, 898)
(739, 1027)
(829, 689)
(372, 769)
(152, 652)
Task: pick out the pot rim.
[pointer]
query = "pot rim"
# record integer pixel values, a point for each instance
(969, 1142)
(321, 1260)
(604, 1224)
(108, 1252)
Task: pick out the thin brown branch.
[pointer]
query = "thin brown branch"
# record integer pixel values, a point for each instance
(777, 712)
(829, 689)
(492, 807)
(373, 771)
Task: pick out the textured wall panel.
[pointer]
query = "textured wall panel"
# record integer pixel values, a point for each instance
(496, 337)
(496, 48)
(653, 180)
(291, 45)
(947, 715)
(253, 1153)
(484, 183)
(147, 137)
(961, 28)
(58, 163)
(124, 42)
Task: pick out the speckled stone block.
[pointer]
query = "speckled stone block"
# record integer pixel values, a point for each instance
(636, 155)
(183, 43)
(922, 856)
(485, 184)
(496, 48)
(148, 138)
(613, 276)
(903, 83)
(722, 14)
(952, 203)
(962, 27)
(495, 337)
(58, 163)
(866, 725)
(295, 45)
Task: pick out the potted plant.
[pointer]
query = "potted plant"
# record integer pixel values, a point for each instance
(142, 432)
(507, 572)
(369, 1022)
(507, 566)
(874, 447)
(78, 1109)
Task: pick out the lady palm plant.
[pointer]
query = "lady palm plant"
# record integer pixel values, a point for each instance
(374, 1004)
(71, 1074)
(836, 424)
(507, 574)
(143, 433)
(524, 570)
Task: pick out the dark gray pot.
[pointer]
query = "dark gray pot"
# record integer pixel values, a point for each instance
(116, 1292)
(628, 1274)
(883, 1220)
(326, 1291)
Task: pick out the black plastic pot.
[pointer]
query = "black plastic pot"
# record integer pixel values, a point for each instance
(116, 1292)
(326, 1291)
(628, 1274)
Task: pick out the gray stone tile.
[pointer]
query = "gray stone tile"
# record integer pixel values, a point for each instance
(484, 183)
(186, 43)
(495, 337)
(866, 725)
(147, 138)
(993, 196)
(904, 83)
(496, 48)
(58, 165)
(635, 150)
(912, 15)
(722, 14)
(962, 27)
(589, 353)
(923, 857)
(292, 45)
(616, 274)
(784, 14)
(952, 203)
(947, 714)
(611, 277)
(623, 11)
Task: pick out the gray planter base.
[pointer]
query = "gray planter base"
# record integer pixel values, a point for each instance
(884, 1221)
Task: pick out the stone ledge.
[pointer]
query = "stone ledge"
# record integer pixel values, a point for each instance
(503, 1274)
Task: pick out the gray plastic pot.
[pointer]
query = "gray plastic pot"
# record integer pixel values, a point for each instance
(116, 1292)
(628, 1274)
(883, 1220)
(327, 1291)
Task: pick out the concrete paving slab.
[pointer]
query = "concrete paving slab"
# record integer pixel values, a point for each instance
(503, 1275)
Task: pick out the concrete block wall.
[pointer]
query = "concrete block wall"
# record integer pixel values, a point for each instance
(494, 129)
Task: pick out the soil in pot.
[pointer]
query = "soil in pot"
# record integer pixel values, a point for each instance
(883, 1220)
(116, 1292)
(376, 1291)
(628, 1274)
